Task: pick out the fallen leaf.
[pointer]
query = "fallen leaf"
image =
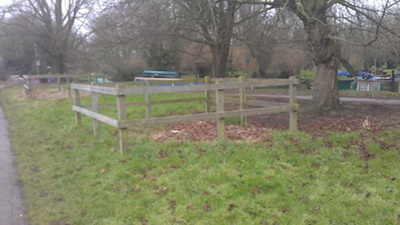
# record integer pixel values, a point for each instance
(256, 191)
(144, 221)
(163, 190)
(190, 207)
(231, 207)
(172, 204)
(162, 154)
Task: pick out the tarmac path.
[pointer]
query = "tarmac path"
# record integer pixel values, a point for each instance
(12, 210)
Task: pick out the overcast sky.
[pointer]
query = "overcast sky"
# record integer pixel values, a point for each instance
(5, 2)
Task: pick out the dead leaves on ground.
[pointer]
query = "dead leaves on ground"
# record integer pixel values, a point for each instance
(206, 131)
(349, 118)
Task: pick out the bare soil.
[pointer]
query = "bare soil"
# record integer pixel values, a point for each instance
(349, 117)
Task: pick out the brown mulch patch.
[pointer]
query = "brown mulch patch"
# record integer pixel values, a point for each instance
(350, 117)
(206, 131)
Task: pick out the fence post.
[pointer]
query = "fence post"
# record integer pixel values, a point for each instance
(243, 119)
(28, 84)
(59, 82)
(69, 87)
(293, 102)
(148, 100)
(95, 108)
(77, 102)
(207, 81)
(122, 131)
(219, 99)
(393, 82)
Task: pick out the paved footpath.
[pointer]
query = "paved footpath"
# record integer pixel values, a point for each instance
(12, 210)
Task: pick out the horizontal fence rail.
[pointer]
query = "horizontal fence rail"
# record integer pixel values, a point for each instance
(207, 86)
(55, 81)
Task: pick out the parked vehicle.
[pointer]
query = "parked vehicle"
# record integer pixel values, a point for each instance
(366, 76)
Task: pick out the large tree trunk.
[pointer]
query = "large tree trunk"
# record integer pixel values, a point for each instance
(59, 64)
(325, 88)
(220, 56)
(323, 48)
(221, 45)
(323, 52)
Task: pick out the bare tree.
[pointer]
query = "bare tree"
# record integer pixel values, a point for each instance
(320, 19)
(209, 22)
(256, 32)
(16, 50)
(159, 42)
(212, 22)
(114, 39)
(389, 42)
(275, 38)
(53, 23)
(129, 30)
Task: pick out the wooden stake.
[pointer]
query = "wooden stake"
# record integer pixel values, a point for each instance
(122, 131)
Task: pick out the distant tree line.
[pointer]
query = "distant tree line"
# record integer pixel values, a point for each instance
(259, 38)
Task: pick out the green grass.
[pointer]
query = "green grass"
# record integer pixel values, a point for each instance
(307, 74)
(72, 178)
(139, 111)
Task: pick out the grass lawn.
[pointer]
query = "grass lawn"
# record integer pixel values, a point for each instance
(72, 178)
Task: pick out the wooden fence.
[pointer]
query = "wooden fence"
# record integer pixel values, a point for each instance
(218, 87)
(53, 81)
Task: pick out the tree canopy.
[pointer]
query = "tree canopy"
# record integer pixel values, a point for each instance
(123, 37)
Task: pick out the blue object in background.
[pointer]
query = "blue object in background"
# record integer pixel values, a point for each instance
(160, 74)
(343, 73)
(100, 80)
